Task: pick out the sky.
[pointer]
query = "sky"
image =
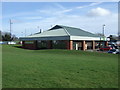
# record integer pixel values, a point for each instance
(29, 17)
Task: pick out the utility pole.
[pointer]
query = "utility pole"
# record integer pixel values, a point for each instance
(40, 30)
(10, 27)
(51, 26)
(38, 27)
(10, 30)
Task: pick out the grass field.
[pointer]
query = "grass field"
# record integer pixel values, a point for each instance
(58, 69)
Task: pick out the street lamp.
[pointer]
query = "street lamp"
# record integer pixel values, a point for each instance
(25, 32)
(103, 29)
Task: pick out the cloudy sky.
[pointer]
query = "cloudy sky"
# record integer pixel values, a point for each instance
(32, 16)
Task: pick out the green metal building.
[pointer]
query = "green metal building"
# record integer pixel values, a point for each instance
(63, 37)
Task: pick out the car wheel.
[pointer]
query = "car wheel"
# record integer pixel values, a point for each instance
(101, 49)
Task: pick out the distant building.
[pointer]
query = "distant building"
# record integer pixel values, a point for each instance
(63, 37)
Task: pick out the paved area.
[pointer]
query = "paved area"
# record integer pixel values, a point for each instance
(96, 50)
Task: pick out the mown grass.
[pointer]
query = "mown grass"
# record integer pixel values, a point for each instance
(58, 69)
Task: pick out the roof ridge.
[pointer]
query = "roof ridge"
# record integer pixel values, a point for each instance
(66, 31)
(69, 26)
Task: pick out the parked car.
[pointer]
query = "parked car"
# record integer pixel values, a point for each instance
(118, 52)
(114, 51)
(114, 46)
(106, 48)
(2, 42)
(11, 42)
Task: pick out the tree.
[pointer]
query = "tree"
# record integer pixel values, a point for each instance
(113, 38)
(8, 37)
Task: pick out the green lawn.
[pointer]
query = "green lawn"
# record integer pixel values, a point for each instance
(58, 69)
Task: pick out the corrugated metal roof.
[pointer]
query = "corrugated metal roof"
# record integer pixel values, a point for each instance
(60, 31)
(75, 31)
(50, 33)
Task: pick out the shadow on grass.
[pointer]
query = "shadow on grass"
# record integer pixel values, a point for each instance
(18, 47)
(30, 49)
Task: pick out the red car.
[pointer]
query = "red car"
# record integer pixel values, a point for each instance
(106, 48)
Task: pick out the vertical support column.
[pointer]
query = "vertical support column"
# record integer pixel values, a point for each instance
(76, 46)
(67, 45)
(83, 45)
(71, 45)
(49, 44)
(93, 44)
(23, 44)
(35, 45)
